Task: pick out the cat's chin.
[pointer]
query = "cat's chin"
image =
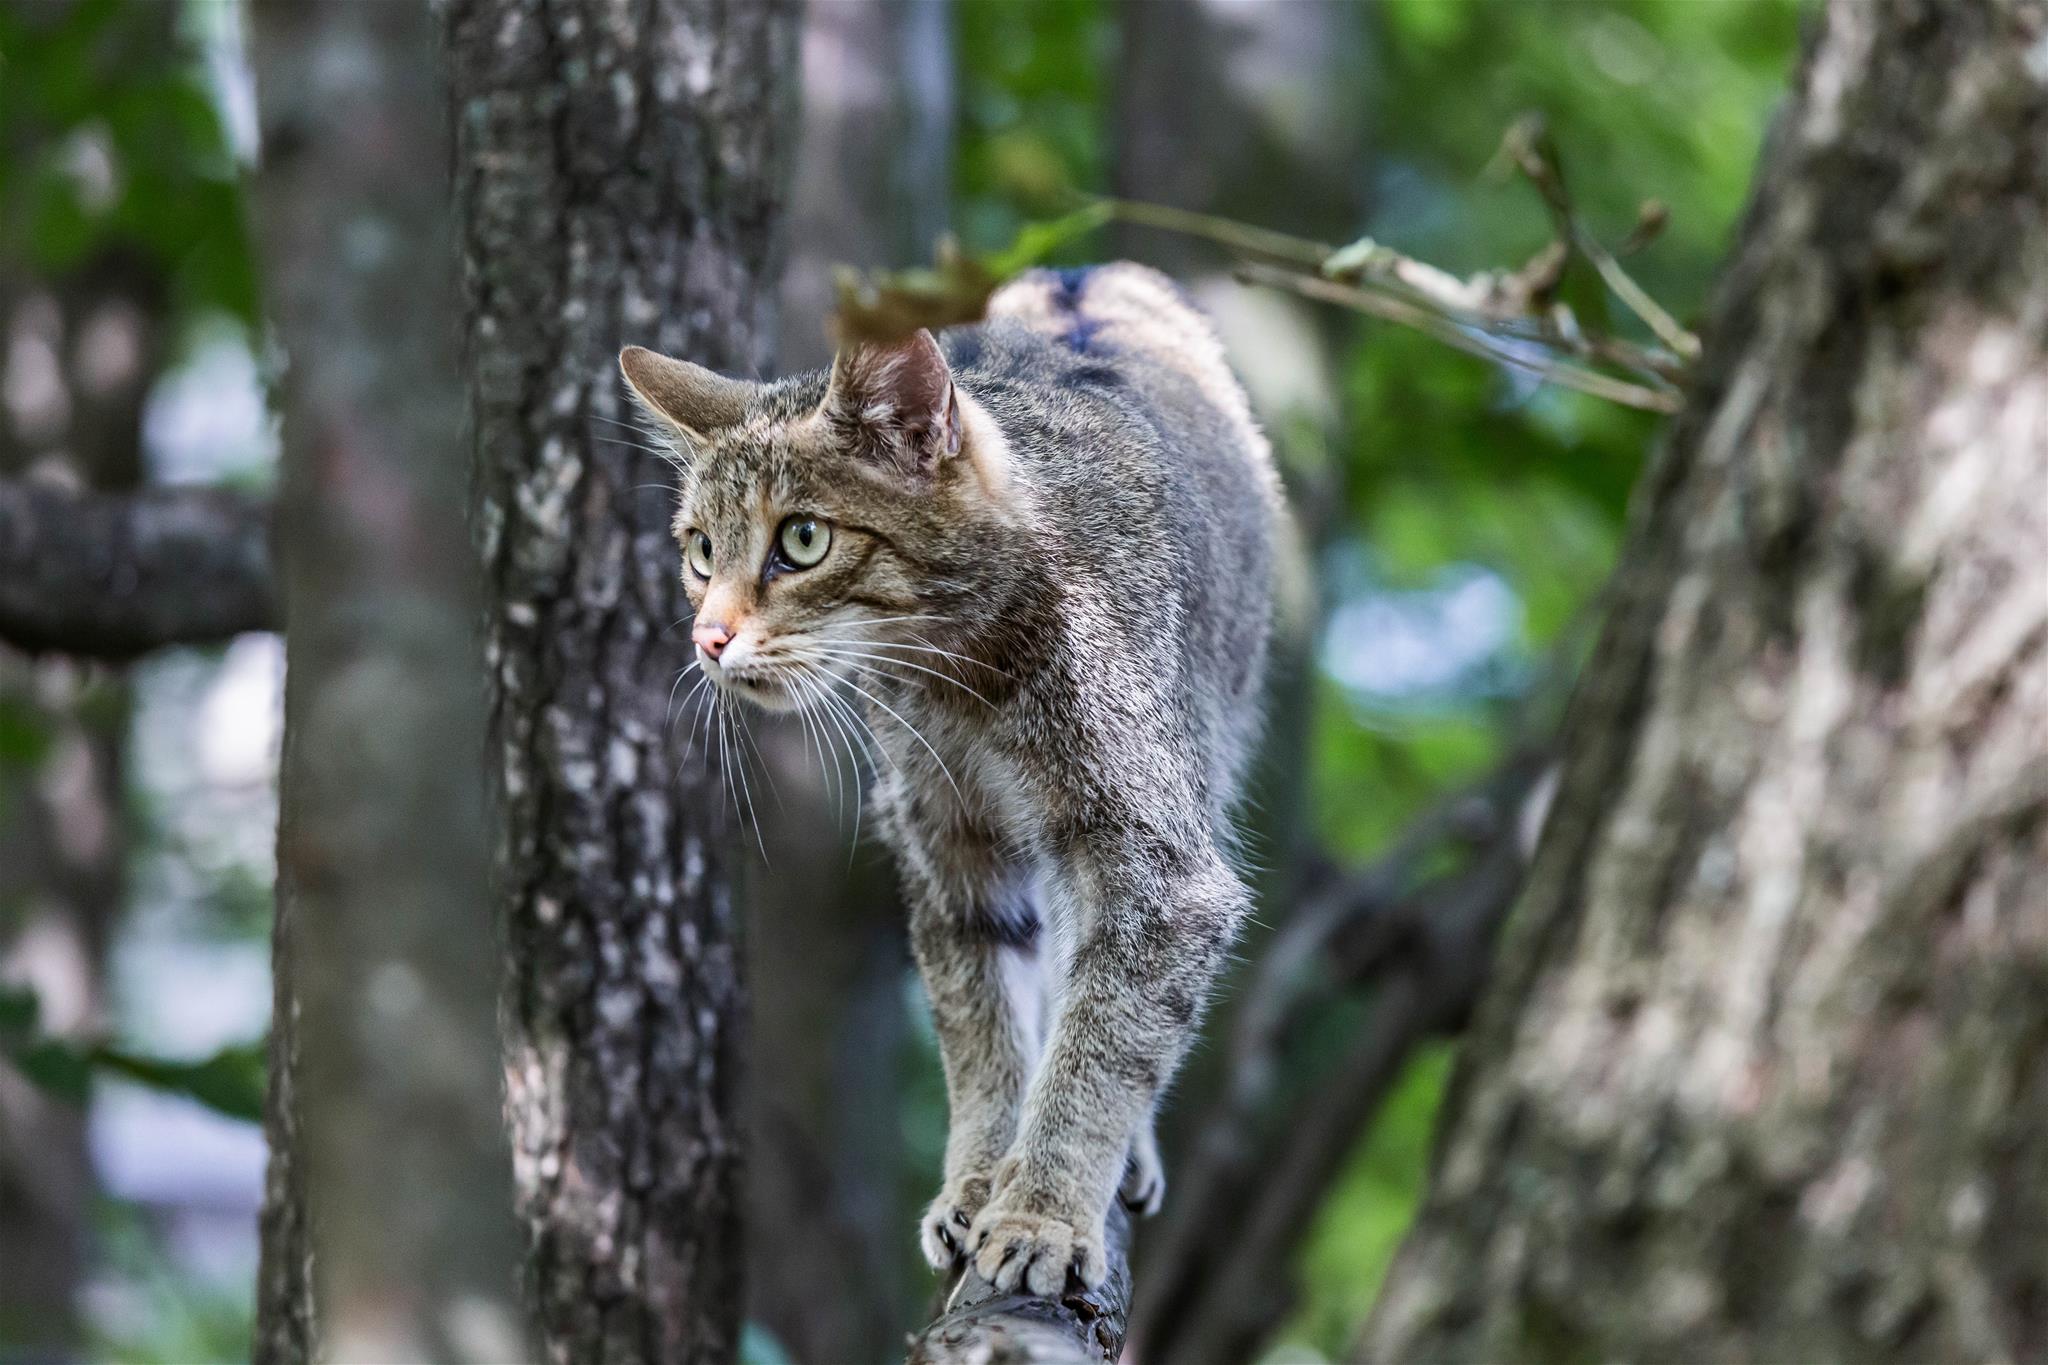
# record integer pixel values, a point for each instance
(766, 693)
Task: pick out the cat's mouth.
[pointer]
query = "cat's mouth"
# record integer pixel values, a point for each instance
(766, 687)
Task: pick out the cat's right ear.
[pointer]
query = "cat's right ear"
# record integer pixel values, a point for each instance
(688, 397)
(893, 403)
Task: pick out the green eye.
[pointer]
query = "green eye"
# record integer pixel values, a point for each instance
(804, 540)
(697, 550)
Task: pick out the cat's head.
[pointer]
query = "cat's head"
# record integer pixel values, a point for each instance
(825, 523)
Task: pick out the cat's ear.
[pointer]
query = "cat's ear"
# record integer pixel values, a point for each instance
(689, 397)
(894, 403)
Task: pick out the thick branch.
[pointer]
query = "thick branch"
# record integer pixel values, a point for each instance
(979, 1326)
(114, 576)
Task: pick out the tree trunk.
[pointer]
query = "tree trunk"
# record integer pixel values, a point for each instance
(390, 1181)
(1764, 1075)
(873, 182)
(618, 179)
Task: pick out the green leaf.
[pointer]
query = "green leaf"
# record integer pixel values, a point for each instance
(56, 1068)
(1035, 242)
(19, 1010)
(229, 1082)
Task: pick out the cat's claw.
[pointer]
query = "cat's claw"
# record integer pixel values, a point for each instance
(943, 1232)
(1034, 1252)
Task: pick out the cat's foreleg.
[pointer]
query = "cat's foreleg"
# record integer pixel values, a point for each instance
(1158, 923)
(980, 969)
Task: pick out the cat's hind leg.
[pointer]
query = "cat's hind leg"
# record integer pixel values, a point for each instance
(1144, 1186)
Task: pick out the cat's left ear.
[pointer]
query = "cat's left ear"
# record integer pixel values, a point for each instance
(694, 400)
(894, 403)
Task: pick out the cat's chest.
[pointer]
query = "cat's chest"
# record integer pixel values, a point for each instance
(976, 758)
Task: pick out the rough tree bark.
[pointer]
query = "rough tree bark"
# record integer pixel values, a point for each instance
(1763, 1074)
(618, 179)
(388, 1209)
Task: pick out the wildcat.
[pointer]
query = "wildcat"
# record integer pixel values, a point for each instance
(1038, 552)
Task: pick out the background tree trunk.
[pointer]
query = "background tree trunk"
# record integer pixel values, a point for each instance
(1762, 1076)
(618, 176)
(391, 1178)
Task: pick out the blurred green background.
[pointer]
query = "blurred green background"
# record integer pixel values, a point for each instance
(1465, 518)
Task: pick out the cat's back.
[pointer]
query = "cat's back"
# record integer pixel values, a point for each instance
(1125, 312)
(1156, 487)
(1120, 370)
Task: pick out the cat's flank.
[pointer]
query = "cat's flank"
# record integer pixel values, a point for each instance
(1033, 558)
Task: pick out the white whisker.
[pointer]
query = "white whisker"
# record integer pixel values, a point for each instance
(740, 770)
(703, 678)
(826, 741)
(905, 663)
(915, 734)
(811, 741)
(767, 771)
(836, 708)
(967, 659)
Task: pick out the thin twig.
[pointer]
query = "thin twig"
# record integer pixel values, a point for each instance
(1498, 316)
(1248, 237)
(1454, 334)
(1527, 144)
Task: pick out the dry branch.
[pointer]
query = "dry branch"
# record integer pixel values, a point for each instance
(115, 575)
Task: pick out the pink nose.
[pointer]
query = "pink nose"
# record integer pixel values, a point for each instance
(711, 637)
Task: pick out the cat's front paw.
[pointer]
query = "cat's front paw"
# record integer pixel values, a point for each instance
(1016, 1247)
(943, 1233)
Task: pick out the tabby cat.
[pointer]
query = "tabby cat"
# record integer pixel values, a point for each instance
(1037, 554)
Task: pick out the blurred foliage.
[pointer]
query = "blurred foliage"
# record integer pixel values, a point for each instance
(1033, 100)
(153, 1310)
(1362, 1223)
(228, 1082)
(112, 140)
